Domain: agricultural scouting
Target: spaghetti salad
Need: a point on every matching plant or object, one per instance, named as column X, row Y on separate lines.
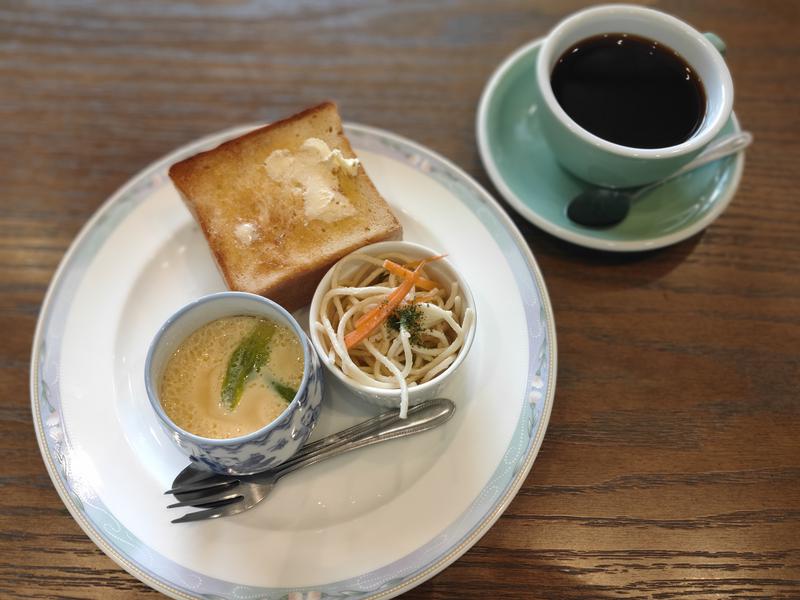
column 387, row 324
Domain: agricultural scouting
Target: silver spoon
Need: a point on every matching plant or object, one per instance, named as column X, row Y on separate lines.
column 604, row 207
column 225, row 495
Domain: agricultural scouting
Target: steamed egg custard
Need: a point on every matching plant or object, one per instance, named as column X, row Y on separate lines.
column 232, row 376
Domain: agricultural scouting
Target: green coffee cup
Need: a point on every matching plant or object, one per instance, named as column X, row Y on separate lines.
column 603, row 162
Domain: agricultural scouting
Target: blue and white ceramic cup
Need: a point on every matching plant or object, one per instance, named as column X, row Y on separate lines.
column 276, row 441
column 605, row 163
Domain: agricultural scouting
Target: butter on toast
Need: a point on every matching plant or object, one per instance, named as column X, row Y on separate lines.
column 265, row 234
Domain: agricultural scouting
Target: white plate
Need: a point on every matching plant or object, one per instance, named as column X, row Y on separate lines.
column 371, row 524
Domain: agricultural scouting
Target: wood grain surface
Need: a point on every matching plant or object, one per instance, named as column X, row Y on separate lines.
column 671, row 465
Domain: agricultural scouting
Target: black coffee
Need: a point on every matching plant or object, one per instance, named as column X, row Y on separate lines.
column 629, row 90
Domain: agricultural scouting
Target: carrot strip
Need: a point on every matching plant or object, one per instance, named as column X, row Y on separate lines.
column 415, row 263
column 373, row 319
column 380, row 313
column 405, row 272
column 423, row 283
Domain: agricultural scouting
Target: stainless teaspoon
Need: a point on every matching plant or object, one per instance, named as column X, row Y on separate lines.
column 604, row 207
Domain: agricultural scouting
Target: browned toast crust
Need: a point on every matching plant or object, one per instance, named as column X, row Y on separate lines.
column 228, row 185
column 181, row 171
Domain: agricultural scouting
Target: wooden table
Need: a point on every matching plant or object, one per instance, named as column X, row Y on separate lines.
column 672, row 460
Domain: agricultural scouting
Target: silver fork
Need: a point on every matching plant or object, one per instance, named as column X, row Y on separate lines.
column 225, row 495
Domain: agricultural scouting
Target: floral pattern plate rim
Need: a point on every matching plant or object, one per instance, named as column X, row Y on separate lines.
column 98, row 501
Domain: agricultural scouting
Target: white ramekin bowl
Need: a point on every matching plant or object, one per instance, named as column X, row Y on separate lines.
column 390, row 398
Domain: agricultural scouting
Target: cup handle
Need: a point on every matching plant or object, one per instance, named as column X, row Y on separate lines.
column 717, row 41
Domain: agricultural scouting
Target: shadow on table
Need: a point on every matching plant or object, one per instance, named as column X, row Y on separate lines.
column 611, row 270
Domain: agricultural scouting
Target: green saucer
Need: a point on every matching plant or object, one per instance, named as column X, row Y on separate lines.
column 525, row 172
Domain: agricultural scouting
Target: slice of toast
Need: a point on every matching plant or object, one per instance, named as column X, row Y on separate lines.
column 260, row 231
